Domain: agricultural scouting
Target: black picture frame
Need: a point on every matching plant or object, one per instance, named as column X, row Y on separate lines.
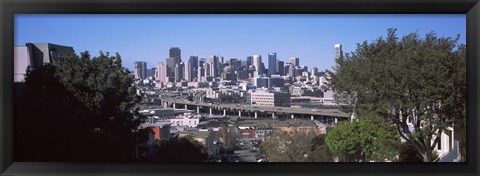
column 8, row 8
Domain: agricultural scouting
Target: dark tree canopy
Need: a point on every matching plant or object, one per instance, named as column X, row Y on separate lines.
column 421, row 80
column 184, row 149
column 76, row 110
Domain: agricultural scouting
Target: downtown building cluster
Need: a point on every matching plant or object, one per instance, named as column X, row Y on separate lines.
column 249, row 79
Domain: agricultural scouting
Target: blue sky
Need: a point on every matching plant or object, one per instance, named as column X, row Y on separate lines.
column 149, row 37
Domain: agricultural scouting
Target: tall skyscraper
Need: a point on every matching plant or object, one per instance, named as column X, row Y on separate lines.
column 206, row 66
column 295, row 61
column 175, row 53
column 338, row 51
column 194, row 61
column 272, row 63
column 162, row 73
column 214, row 66
column 280, row 67
column 179, row 70
column 189, row 71
column 314, row 71
column 140, row 70
column 249, row 61
column 173, row 60
column 201, row 62
column 257, row 62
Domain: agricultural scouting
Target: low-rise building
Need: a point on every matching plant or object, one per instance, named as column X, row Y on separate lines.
column 270, row 98
column 186, row 120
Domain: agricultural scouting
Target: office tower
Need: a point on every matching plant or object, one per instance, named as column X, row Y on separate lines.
column 162, row 72
column 194, row 61
column 140, row 70
column 214, row 66
column 338, row 51
column 179, row 70
column 287, row 69
column 295, row 61
column 257, row 62
column 189, row 71
column 153, row 72
column 201, row 74
column 249, row 61
column 314, row 71
column 170, row 67
column 280, row 67
column 206, row 66
column 175, row 53
column 272, row 63
column 201, row 62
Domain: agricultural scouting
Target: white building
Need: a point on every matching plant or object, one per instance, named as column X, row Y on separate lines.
column 187, row 120
column 270, row 98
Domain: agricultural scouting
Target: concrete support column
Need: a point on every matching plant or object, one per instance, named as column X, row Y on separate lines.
column 240, row 113
column 336, row 120
column 256, row 115
column 311, row 118
column 293, row 116
column 210, row 110
column 173, row 105
column 198, row 109
column 186, row 107
column 224, row 112
column 273, row 115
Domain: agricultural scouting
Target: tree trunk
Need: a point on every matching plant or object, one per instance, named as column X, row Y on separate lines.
column 427, row 156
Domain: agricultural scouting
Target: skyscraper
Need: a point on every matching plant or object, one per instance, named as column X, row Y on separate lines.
column 179, row 70
column 257, row 62
column 194, row 61
column 140, row 70
column 175, row 53
column 338, row 51
column 162, row 73
column 214, row 66
column 280, row 67
column 170, row 67
column 249, row 61
column 189, row 71
column 295, row 61
column 272, row 63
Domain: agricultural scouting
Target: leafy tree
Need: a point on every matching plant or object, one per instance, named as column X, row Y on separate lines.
column 369, row 138
column 295, row 147
column 414, row 79
column 228, row 137
column 77, row 110
column 184, row 149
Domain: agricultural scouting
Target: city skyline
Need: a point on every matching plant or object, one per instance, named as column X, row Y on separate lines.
column 311, row 38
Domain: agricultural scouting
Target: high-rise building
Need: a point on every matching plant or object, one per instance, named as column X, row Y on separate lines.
column 338, row 51
column 214, row 66
column 201, row 62
column 272, row 63
column 175, row 53
column 257, row 62
column 171, row 67
column 314, row 71
column 206, row 66
column 140, row 70
column 179, row 70
column 194, row 61
column 249, row 61
column 295, row 61
column 280, row 67
column 189, row 71
column 162, row 73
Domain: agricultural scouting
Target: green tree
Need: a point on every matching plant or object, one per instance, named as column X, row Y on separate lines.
column 77, row 110
column 295, row 147
column 419, row 80
column 369, row 138
column 184, row 149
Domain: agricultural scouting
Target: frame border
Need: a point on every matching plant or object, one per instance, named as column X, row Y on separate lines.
column 8, row 8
